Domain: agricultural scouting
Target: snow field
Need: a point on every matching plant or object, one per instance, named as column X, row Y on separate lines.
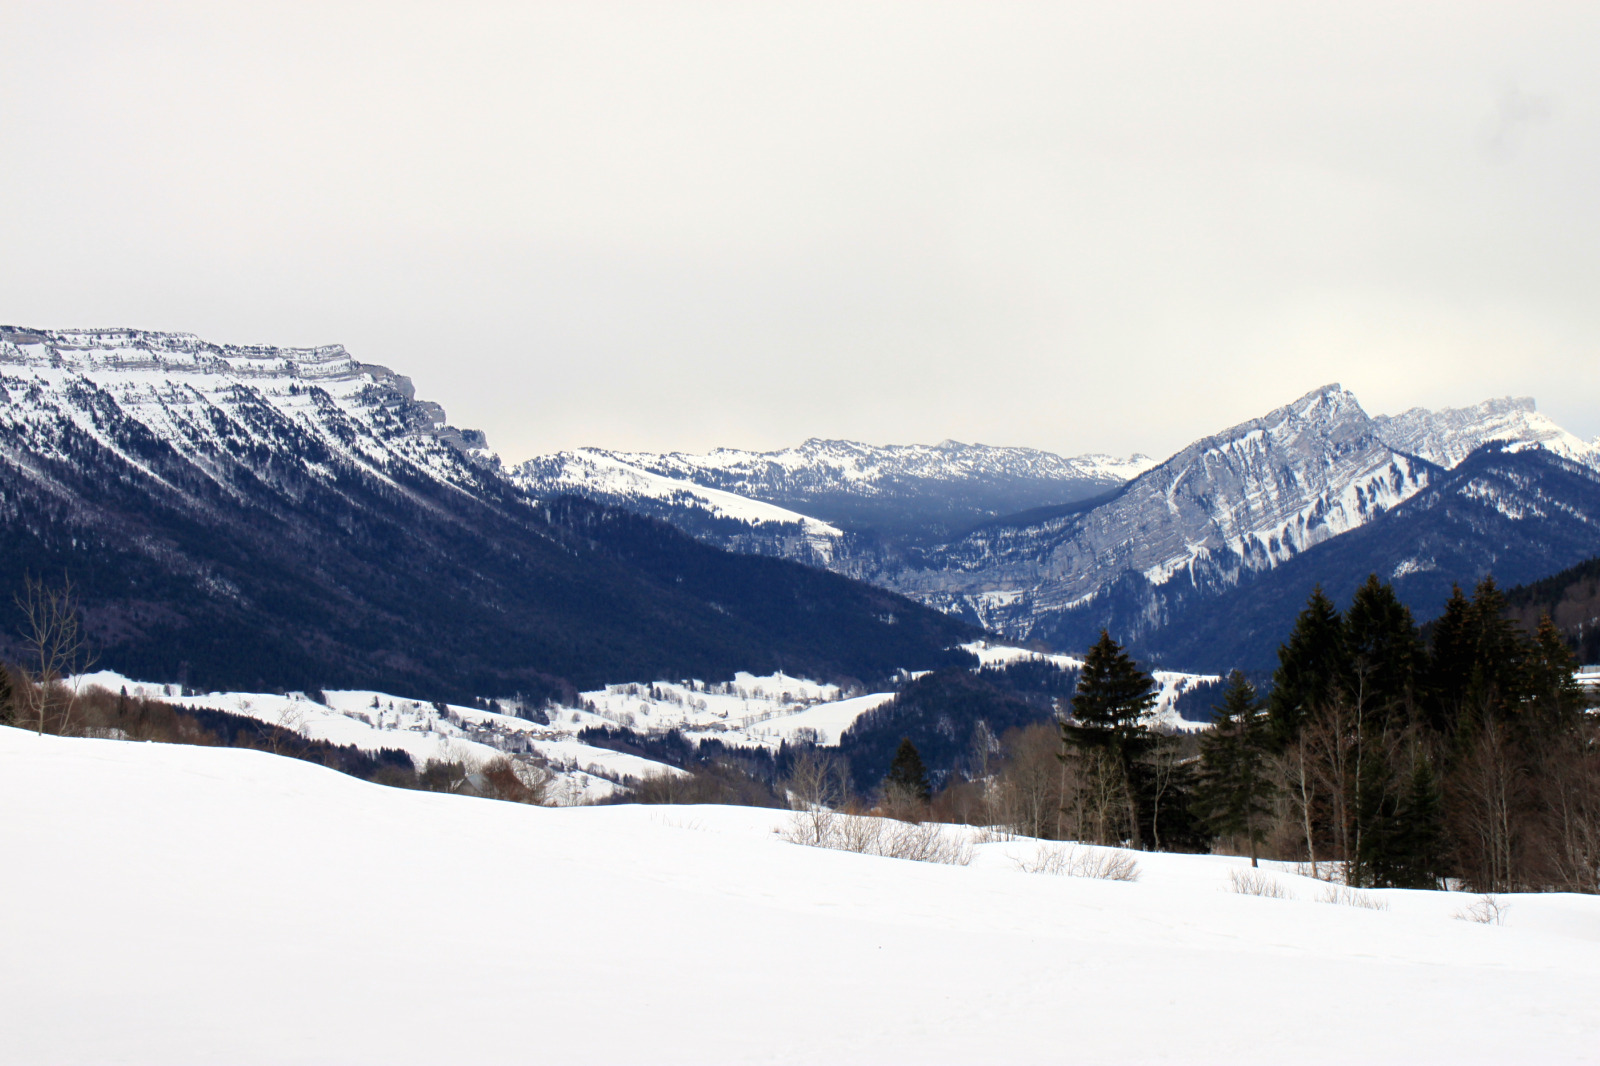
column 173, row 904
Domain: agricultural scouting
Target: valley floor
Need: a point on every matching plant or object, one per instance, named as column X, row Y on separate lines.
column 170, row 904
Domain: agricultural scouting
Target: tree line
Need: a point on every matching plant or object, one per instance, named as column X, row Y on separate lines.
column 1407, row 757
column 1381, row 754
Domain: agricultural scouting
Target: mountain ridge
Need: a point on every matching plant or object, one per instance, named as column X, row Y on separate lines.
column 259, row 517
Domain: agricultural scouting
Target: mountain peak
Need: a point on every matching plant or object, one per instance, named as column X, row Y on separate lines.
column 1448, row 436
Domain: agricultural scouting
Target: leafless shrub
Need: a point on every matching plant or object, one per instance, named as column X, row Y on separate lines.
column 858, row 833
column 516, row 780
column 1488, row 909
column 926, row 842
column 1069, row 860
column 888, row 838
column 1256, row 883
column 1349, row 897
column 1331, row 871
column 815, row 786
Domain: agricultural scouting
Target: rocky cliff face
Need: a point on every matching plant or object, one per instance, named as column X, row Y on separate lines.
column 1246, row 499
column 224, row 409
column 1447, row 437
column 1516, row 513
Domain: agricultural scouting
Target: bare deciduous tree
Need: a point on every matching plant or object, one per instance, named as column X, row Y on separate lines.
column 1486, row 792
column 54, row 651
column 817, row 787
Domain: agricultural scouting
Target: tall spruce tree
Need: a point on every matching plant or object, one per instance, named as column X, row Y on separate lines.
column 1498, row 680
column 1310, row 667
column 1549, row 665
column 1378, row 830
column 1108, row 711
column 1383, row 654
column 1235, row 788
column 1419, row 848
column 907, row 776
column 1450, row 664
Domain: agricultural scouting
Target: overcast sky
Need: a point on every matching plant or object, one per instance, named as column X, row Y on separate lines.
column 1111, row 227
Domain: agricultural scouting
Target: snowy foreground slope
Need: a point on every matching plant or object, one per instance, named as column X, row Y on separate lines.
column 187, row 905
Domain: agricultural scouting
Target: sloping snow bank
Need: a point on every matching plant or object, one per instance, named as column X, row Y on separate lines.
column 173, row 905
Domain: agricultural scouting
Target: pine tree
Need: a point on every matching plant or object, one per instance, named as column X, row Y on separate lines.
column 1310, row 667
column 1235, row 789
column 1108, row 711
column 1421, row 838
column 1379, row 836
column 1383, row 654
column 1450, row 663
column 1549, row 665
column 907, row 776
column 1497, row 681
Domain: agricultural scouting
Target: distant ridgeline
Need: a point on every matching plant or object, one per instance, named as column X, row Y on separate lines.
column 262, row 518
column 1198, row 562
column 252, row 517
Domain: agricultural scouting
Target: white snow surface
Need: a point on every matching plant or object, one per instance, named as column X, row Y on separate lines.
column 174, row 905
column 593, row 470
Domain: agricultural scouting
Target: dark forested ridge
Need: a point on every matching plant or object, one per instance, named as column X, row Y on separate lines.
column 481, row 600
column 1571, row 599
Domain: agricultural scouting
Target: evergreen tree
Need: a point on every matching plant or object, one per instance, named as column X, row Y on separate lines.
column 1108, row 715
column 1383, row 654
column 1497, row 680
column 1310, row 667
column 1420, row 846
column 1234, row 788
column 907, row 776
column 1450, row 664
column 1549, row 665
column 1379, row 832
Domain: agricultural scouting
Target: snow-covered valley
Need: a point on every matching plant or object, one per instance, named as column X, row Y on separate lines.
column 749, row 711
column 181, row 904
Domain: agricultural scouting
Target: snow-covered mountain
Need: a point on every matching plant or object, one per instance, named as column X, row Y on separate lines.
column 1518, row 512
column 1054, row 548
column 310, row 505
column 727, row 519
column 818, row 467
column 126, row 390
column 1449, row 436
column 256, row 518
column 919, row 492
column 1248, row 498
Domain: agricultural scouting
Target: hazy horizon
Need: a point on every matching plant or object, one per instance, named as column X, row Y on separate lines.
column 1078, row 228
